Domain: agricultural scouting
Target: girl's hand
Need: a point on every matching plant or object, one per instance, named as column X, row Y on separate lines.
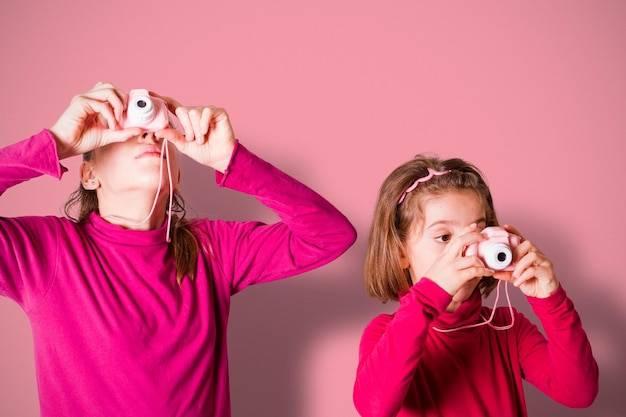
column 452, row 270
column 533, row 273
column 209, row 138
column 91, row 121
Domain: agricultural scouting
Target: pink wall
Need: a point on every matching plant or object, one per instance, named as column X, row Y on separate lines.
column 337, row 93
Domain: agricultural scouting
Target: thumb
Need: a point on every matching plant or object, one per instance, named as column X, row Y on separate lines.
column 111, row 136
column 172, row 135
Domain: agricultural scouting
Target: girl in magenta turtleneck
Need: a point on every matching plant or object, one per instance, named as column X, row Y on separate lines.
column 129, row 302
column 442, row 353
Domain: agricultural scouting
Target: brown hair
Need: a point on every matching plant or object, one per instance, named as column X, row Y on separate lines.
column 384, row 277
column 184, row 244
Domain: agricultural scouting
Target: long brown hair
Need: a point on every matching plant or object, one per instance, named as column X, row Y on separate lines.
column 184, row 244
column 385, row 279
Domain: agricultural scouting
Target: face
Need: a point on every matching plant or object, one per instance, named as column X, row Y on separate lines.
column 444, row 217
column 133, row 165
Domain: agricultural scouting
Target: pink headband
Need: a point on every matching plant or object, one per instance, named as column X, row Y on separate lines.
column 431, row 173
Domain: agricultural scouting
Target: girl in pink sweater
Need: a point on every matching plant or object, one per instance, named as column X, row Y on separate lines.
column 442, row 353
column 129, row 307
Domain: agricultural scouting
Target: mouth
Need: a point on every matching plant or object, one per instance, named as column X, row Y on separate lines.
column 150, row 152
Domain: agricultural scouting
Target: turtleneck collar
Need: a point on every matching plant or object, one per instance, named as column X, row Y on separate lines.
column 118, row 234
column 467, row 313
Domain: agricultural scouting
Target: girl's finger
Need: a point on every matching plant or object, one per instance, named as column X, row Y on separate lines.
column 504, row 276
column 474, row 272
column 465, row 262
column 100, row 108
column 108, row 93
column 206, row 120
column 170, row 134
column 195, row 116
column 468, row 237
column 123, row 134
column 183, row 118
column 526, row 255
column 513, row 230
column 529, row 273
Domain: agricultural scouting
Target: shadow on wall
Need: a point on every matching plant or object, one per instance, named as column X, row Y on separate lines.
column 273, row 329
column 273, row 326
column 604, row 323
column 601, row 312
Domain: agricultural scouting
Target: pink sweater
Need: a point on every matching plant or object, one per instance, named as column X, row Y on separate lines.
column 406, row 368
column 114, row 334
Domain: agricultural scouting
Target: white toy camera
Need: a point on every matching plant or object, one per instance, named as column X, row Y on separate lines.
column 497, row 251
column 149, row 113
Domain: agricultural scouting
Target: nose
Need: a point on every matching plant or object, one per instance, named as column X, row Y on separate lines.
column 148, row 137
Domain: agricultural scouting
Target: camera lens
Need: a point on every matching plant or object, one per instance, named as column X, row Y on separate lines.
column 497, row 256
column 141, row 111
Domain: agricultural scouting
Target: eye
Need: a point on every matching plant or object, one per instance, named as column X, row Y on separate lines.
column 443, row 238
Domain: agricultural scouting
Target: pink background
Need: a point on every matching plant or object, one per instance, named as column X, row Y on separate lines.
column 338, row 93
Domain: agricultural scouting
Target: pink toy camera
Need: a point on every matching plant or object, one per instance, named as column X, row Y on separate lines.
column 145, row 111
column 497, row 251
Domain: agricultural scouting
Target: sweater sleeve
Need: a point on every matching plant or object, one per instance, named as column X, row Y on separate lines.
column 311, row 232
column 24, row 272
column 391, row 347
column 561, row 364
column 28, row 159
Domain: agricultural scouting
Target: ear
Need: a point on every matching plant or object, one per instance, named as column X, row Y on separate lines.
column 87, row 177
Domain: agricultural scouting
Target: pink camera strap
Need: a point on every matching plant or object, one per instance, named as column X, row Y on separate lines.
column 493, row 312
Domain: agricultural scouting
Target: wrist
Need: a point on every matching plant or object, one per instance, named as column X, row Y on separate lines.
column 222, row 164
column 63, row 150
column 549, row 289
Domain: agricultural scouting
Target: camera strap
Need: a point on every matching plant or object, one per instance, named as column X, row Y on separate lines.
column 487, row 321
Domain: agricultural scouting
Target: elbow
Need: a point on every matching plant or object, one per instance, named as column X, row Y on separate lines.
column 349, row 236
column 580, row 402
column 347, row 232
column 583, row 397
column 341, row 237
column 368, row 410
column 368, row 406
column 586, row 399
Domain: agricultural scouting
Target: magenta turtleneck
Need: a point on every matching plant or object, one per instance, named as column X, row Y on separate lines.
column 114, row 333
column 406, row 368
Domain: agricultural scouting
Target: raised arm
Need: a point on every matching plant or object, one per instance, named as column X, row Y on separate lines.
column 82, row 127
column 24, row 240
column 561, row 364
column 311, row 231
